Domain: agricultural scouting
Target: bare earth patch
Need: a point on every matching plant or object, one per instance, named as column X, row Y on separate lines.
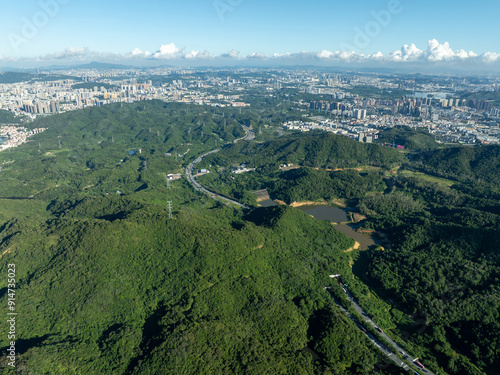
column 355, row 247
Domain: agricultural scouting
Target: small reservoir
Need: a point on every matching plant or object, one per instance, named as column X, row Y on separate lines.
column 333, row 214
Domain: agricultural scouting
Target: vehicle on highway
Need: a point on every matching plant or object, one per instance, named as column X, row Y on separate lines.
column 379, row 329
column 362, row 328
column 418, row 364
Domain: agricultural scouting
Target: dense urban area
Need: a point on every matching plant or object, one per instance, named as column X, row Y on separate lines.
column 462, row 110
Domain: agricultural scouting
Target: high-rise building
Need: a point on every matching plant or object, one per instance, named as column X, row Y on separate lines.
column 359, row 114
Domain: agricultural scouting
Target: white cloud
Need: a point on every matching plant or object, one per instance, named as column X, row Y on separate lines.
column 167, row 51
column 139, row 53
column 70, row 53
column 199, row 55
column 378, row 56
column 233, row 54
column 436, row 52
column 406, row 53
column 256, row 55
column 345, row 56
column 324, row 54
column 439, row 52
column 490, row 57
column 283, row 55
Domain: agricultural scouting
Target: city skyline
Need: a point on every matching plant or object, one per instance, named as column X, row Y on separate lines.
column 44, row 32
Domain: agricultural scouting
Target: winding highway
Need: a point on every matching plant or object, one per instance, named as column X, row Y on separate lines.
column 249, row 135
column 409, row 365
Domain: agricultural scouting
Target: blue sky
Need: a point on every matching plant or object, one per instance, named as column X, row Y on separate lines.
column 247, row 26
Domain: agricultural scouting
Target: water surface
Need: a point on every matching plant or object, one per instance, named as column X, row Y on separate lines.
column 334, row 214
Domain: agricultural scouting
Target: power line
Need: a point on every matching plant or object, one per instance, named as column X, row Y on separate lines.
column 169, row 205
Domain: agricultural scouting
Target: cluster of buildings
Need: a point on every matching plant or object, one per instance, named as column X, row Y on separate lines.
column 36, row 98
column 348, row 103
column 13, row 135
column 452, row 120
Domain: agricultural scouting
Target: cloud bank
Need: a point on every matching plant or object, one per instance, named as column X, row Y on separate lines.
column 435, row 53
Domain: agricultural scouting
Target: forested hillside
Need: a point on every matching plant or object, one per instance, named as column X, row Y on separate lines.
column 467, row 164
column 317, row 149
column 413, row 139
column 443, row 267
column 107, row 283
column 7, row 117
column 144, row 294
column 113, row 148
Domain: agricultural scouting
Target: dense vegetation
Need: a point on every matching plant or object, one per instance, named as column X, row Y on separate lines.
column 7, row 117
column 16, row 77
column 100, row 151
column 318, row 149
column 444, row 268
column 107, row 283
column 492, row 96
column 479, row 165
column 413, row 139
column 199, row 290
column 310, row 185
column 13, row 77
column 377, row 93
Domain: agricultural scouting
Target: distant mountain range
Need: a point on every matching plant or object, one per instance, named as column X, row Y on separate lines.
column 92, row 65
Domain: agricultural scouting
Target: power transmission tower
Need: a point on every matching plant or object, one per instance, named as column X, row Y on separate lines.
column 168, row 183
column 169, row 203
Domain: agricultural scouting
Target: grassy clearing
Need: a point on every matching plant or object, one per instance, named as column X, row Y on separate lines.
column 427, row 177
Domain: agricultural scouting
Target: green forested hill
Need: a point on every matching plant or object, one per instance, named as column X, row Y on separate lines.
column 88, row 152
column 323, row 150
column 205, row 292
column 444, row 269
column 313, row 185
column 476, row 164
column 443, row 266
column 7, row 117
column 413, row 139
column 106, row 283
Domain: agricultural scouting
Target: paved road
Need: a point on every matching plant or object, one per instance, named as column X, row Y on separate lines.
column 374, row 340
column 249, row 135
column 412, row 367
